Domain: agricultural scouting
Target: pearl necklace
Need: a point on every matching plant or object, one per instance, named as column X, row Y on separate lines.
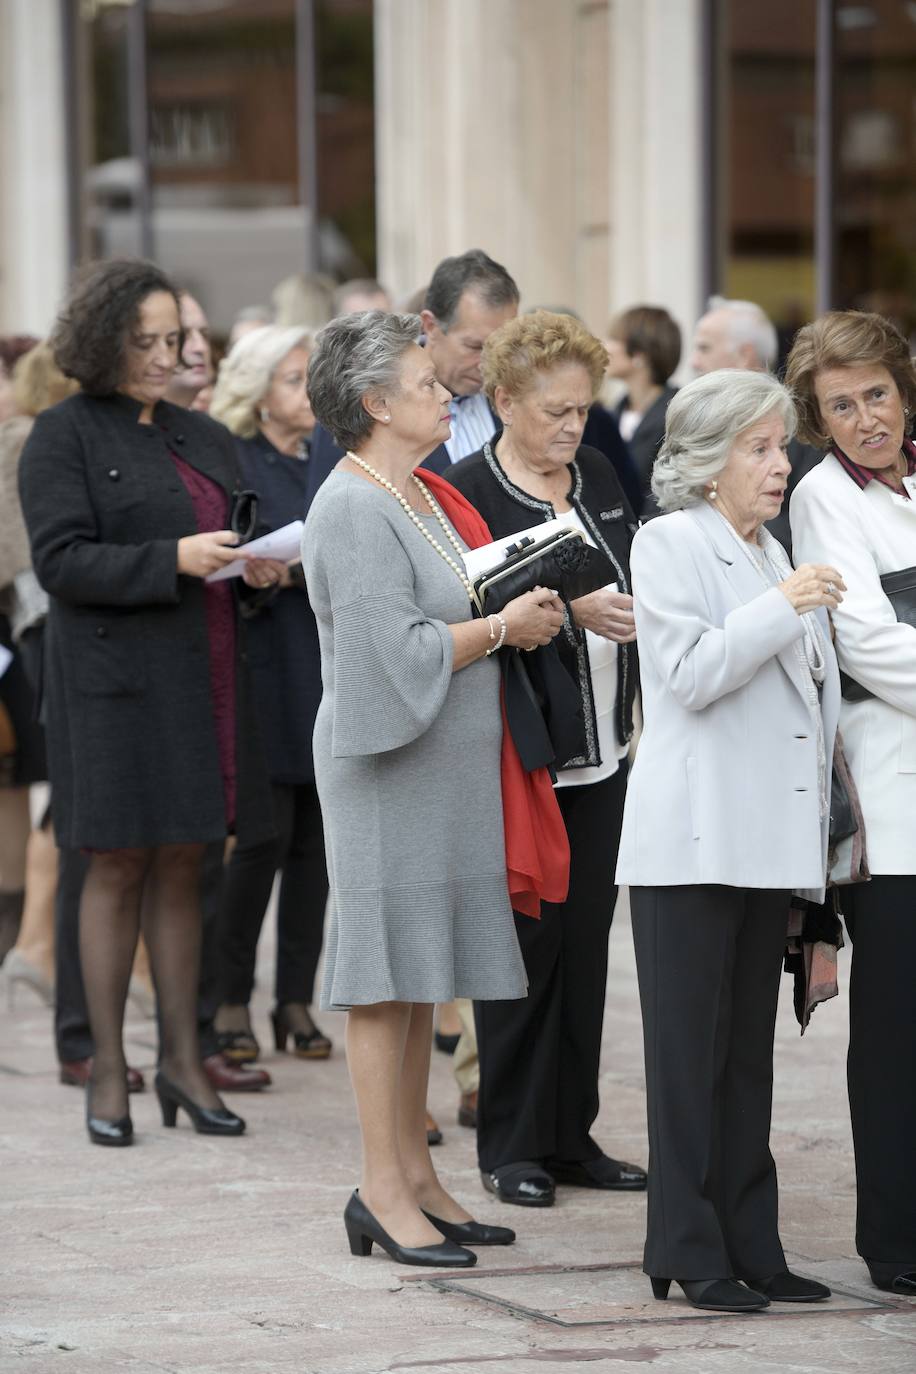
column 458, row 569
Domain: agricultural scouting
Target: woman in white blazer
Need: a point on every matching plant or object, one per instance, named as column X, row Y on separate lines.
column 726, row 815
column 856, row 388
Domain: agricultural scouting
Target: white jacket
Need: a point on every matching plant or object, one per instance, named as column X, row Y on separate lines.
column 725, row 784
column 864, row 533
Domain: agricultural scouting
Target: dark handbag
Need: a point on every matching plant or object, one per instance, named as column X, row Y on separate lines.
column 563, row 561
column 243, row 515
column 843, row 821
column 900, row 590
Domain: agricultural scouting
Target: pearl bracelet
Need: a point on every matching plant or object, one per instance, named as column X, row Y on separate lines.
column 502, row 633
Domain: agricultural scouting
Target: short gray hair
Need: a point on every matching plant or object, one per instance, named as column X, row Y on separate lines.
column 354, row 356
column 245, row 375
column 748, row 323
column 702, row 423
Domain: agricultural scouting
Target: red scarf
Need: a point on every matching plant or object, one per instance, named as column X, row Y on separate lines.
column 537, row 846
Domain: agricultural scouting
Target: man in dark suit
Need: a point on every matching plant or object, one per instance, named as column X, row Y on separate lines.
column 740, row 334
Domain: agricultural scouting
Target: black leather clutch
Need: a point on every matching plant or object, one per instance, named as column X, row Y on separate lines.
column 900, row 590
column 562, row 561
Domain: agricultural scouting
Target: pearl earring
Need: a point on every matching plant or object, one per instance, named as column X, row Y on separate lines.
column 265, row 415
column 714, row 490
column 387, row 419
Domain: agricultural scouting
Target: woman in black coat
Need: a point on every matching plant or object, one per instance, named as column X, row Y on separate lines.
column 261, row 397
column 539, row 1058
column 152, row 743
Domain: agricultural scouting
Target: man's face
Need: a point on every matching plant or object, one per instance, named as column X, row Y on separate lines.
column 712, row 345
column 196, row 355
column 456, row 352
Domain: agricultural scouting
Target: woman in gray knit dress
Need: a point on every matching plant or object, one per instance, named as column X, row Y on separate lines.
column 407, row 763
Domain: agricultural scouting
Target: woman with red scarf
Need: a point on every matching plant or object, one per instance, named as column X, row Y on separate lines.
column 416, row 777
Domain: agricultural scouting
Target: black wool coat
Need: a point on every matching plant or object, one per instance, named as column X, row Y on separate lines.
column 283, row 651
column 126, row 688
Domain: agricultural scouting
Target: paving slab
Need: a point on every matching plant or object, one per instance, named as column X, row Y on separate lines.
column 185, row 1253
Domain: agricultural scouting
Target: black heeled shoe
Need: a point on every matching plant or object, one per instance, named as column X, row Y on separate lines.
column 446, row 1044
column 105, row 1132
column 363, row 1231
column 893, row 1278
column 313, row 1044
column 713, row 1295
column 471, row 1232
column 240, row 1046
column 205, row 1120
column 788, row 1287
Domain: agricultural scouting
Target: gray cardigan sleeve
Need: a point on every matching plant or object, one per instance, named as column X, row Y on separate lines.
column 392, row 663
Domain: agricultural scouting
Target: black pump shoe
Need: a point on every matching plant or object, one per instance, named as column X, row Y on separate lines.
column 363, row 1231
column 788, row 1287
column 471, row 1233
column 713, row 1295
column 104, row 1132
column 205, row 1120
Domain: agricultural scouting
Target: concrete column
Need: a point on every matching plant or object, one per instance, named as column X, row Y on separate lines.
column 33, row 204
column 485, row 138
column 656, row 169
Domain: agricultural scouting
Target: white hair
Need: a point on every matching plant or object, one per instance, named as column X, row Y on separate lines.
column 749, row 324
column 702, row 423
column 246, row 372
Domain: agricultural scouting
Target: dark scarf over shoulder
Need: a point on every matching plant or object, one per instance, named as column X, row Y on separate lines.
column 598, row 498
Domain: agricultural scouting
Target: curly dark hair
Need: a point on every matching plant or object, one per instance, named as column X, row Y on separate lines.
column 90, row 335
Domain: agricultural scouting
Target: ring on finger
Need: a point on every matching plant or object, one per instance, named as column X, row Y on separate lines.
column 831, row 589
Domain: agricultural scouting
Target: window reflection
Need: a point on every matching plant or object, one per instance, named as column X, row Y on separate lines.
column 769, row 156
column 876, row 153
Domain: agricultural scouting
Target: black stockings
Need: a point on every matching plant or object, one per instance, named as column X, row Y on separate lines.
column 161, row 887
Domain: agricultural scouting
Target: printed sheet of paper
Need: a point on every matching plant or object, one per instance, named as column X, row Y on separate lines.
column 283, row 544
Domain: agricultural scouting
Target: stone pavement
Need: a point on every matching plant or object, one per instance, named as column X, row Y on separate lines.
column 186, row 1253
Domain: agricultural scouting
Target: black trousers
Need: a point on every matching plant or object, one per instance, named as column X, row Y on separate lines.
column 71, row 1017
column 539, row 1057
column 881, row 1067
column 709, row 960
column 298, row 852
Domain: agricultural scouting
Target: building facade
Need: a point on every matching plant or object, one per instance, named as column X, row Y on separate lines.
column 608, row 151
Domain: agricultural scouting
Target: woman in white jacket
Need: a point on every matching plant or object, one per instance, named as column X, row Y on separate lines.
column 856, row 389
column 726, row 815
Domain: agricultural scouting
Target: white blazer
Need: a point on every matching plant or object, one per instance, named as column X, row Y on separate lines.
column 724, row 788
column 864, row 532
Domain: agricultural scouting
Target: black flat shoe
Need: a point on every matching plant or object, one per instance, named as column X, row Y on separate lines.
column 312, row 1044
column 893, row 1278
column 472, row 1233
column 446, row 1044
column 713, row 1295
column 602, row 1172
column 787, row 1287
column 363, row 1231
column 525, row 1184
column 205, row 1120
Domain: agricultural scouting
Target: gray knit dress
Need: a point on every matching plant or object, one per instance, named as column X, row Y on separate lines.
column 407, row 764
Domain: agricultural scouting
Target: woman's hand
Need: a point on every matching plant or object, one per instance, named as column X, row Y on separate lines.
column 533, row 619
column 264, row 572
column 202, row 554
column 813, row 585
column 607, row 613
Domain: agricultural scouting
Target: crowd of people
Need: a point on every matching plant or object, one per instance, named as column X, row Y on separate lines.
column 724, row 721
